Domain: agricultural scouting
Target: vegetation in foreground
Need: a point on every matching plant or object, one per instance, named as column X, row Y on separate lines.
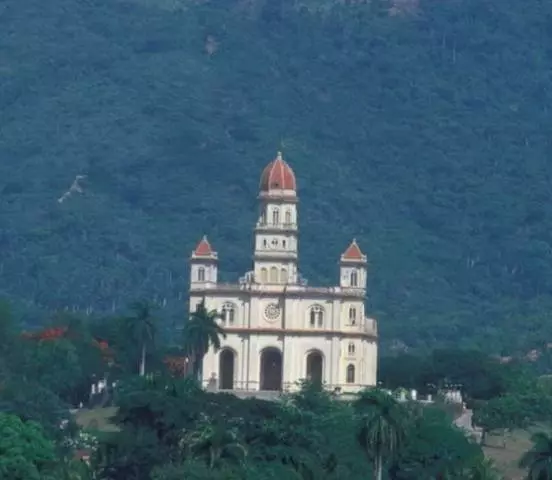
column 163, row 426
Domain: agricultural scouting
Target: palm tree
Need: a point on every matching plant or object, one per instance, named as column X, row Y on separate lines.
column 200, row 332
column 539, row 458
column 143, row 329
column 483, row 469
column 74, row 469
column 213, row 441
column 381, row 428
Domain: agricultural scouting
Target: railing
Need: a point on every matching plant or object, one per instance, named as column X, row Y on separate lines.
column 275, row 252
column 279, row 288
column 277, row 226
column 286, row 387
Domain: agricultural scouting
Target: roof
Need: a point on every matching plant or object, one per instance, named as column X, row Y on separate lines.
column 277, row 175
column 203, row 248
column 353, row 252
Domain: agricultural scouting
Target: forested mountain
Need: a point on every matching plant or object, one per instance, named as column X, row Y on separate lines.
column 425, row 134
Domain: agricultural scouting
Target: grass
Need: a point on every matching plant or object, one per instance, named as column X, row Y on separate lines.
column 96, row 419
column 506, row 458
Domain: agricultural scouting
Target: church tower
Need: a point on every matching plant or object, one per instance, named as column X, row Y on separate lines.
column 353, row 271
column 203, row 264
column 276, row 234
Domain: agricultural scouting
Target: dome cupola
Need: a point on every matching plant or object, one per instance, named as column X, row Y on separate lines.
column 278, row 176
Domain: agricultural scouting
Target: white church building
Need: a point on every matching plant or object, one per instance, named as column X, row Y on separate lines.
column 279, row 329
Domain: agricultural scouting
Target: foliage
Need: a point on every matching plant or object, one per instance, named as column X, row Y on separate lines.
column 380, row 427
column 422, row 135
column 434, row 448
column 25, row 453
column 171, row 428
column 142, row 329
column 32, row 401
column 538, row 459
column 477, row 374
column 166, row 427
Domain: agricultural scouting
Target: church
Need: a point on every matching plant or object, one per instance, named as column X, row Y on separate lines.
column 280, row 330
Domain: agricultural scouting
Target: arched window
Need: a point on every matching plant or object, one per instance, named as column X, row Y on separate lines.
column 264, row 275
column 283, row 244
column 316, row 316
column 228, row 314
column 352, row 315
column 273, row 275
column 284, row 275
column 350, row 374
column 354, row 278
column 265, row 243
column 200, row 274
column 275, row 216
column 288, row 217
column 351, row 349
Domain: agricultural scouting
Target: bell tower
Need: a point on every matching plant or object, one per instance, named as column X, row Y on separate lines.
column 204, row 262
column 276, row 232
column 353, row 268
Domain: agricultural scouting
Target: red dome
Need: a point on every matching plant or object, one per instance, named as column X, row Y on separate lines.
column 277, row 175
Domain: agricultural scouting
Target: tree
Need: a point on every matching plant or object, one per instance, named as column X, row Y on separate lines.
column 74, row 469
column 433, row 448
column 25, row 452
column 201, row 332
column 32, row 401
column 215, row 441
column 504, row 413
column 483, row 469
column 381, row 428
column 142, row 326
column 538, row 460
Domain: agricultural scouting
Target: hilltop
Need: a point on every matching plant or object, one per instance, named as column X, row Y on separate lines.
column 423, row 135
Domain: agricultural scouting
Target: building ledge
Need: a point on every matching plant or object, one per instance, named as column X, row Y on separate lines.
column 366, row 331
column 274, row 254
column 279, row 227
column 287, row 289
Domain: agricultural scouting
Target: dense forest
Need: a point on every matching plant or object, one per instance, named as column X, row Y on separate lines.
column 152, row 421
column 423, row 133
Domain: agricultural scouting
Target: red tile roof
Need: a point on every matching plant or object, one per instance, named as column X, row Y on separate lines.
column 203, row 248
column 277, row 175
column 353, row 252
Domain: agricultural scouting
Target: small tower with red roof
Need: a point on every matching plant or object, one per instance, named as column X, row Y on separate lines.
column 353, row 267
column 204, row 262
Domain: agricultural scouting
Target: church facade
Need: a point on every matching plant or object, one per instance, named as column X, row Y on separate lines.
column 279, row 329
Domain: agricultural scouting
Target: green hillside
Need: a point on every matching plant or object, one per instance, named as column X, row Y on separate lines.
column 425, row 135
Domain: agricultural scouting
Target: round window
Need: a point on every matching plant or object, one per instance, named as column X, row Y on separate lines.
column 272, row 312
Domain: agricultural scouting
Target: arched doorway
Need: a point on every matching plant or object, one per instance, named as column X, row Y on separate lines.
column 271, row 369
column 226, row 369
column 314, row 367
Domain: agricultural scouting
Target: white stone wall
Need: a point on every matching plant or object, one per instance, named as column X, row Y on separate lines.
column 210, row 273
column 345, row 276
column 295, row 338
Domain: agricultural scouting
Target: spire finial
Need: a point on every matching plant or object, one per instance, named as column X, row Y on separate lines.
column 279, row 155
